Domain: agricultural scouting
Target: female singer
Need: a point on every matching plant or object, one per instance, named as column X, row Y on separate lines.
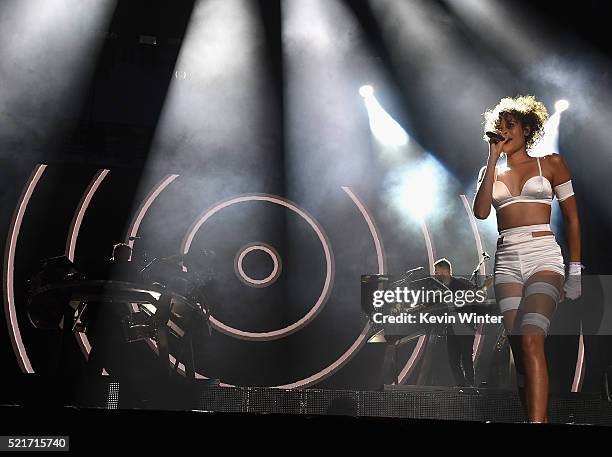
column 529, row 270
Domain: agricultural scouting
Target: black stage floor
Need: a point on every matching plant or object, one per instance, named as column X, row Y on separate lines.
column 403, row 402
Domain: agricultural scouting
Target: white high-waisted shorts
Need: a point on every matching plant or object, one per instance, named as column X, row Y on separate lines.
column 520, row 254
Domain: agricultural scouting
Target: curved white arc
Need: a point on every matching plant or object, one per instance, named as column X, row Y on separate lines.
column 329, row 260
column 477, row 238
column 477, row 347
column 145, row 205
column 579, row 371
column 186, row 244
column 73, row 235
column 9, row 267
column 380, row 253
column 77, row 220
column 419, row 348
column 429, row 246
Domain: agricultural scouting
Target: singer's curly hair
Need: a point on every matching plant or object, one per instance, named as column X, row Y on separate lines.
column 524, row 108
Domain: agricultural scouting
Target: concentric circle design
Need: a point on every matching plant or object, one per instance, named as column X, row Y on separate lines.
column 30, row 185
column 327, row 250
column 252, row 282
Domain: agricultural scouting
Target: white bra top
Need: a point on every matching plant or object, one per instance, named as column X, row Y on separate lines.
column 536, row 189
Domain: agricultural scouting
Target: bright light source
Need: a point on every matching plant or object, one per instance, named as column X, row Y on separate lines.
column 366, row 91
column 549, row 144
column 561, row 105
column 383, row 126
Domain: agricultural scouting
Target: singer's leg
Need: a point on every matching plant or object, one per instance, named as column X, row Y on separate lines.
column 509, row 295
column 542, row 292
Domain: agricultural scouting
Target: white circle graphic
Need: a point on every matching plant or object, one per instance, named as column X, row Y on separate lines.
column 252, row 282
column 327, row 250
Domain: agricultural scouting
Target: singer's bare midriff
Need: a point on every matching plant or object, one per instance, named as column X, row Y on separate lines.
column 521, row 214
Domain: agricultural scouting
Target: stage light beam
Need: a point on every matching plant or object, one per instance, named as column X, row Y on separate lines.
column 386, row 129
column 549, row 144
column 49, row 51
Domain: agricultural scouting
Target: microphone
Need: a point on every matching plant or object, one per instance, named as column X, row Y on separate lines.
column 496, row 137
column 485, row 255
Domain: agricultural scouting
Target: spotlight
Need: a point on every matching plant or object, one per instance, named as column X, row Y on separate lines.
column 561, row 105
column 383, row 126
column 366, row 91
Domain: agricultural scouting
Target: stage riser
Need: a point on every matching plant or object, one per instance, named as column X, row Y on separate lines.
column 397, row 402
column 498, row 406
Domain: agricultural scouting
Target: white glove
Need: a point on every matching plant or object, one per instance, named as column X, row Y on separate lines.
column 573, row 282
